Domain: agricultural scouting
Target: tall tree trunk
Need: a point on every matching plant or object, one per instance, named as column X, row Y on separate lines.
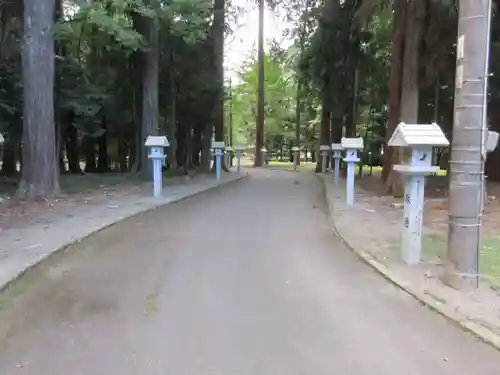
column 414, row 31
column 218, row 50
column 149, row 95
column 196, row 146
column 395, row 83
column 259, row 135
column 355, row 90
column 352, row 80
column 9, row 162
column 39, row 175
column 172, row 122
column 102, row 156
column 72, row 149
column 122, row 153
column 415, row 18
column 188, row 150
column 324, row 135
column 136, row 147
column 298, row 94
column 59, row 112
column 298, row 109
column 206, row 150
column 181, row 144
column 89, row 149
column 136, row 70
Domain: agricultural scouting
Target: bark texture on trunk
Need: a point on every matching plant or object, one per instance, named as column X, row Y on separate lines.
column 39, row 175
column 259, row 135
column 172, row 124
column 89, row 149
column 395, row 82
column 217, row 32
column 414, row 24
column 149, row 95
column 324, row 138
column 102, row 156
column 72, row 149
column 9, row 158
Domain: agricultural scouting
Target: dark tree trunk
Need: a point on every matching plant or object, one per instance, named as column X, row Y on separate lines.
column 281, row 148
column 149, row 95
column 135, row 63
column 414, row 18
column 335, row 128
column 102, row 157
column 181, row 145
column 324, row 130
column 62, row 164
column 60, row 115
column 197, row 146
column 187, row 151
column 72, row 150
column 89, row 149
column 218, row 51
column 206, row 148
column 136, row 146
column 9, row 168
column 259, row 135
column 39, row 175
column 395, row 83
column 122, row 153
column 172, row 123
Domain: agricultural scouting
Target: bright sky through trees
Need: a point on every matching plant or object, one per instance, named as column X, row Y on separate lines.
column 243, row 41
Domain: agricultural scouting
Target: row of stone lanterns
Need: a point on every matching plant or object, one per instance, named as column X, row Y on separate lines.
column 220, row 149
column 157, row 145
column 419, row 140
column 351, row 146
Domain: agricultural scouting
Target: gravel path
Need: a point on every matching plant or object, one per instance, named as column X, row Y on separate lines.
column 245, row 280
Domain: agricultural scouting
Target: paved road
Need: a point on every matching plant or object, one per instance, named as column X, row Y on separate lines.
column 245, row 280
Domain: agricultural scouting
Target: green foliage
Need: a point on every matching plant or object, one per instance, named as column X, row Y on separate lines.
column 279, row 100
column 189, row 19
column 99, row 40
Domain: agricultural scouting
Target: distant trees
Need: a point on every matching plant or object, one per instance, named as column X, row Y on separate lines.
column 97, row 78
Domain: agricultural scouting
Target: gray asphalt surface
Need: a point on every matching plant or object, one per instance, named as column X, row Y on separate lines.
column 245, row 280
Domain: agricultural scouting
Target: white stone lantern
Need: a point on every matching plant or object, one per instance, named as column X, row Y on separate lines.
column 156, row 146
column 420, row 141
column 337, row 155
column 218, row 148
column 324, row 151
column 239, row 150
column 351, row 147
column 296, row 156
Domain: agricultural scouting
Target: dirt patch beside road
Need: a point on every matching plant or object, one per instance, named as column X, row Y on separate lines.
column 373, row 228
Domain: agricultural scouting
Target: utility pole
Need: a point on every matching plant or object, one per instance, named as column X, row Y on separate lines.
column 230, row 113
column 298, row 108
column 230, row 130
column 468, row 145
column 259, row 133
column 298, row 94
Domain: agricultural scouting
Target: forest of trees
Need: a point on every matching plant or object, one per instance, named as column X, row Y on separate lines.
column 84, row 82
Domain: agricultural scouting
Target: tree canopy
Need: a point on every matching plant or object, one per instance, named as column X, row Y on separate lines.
column 124, row 69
